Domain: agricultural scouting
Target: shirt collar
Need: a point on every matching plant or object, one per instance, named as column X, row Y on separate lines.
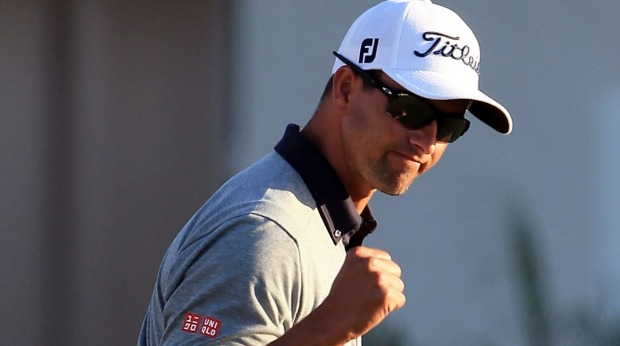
column 333, row 202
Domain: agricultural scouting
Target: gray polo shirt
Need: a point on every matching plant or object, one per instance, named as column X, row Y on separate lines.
column 259, row 255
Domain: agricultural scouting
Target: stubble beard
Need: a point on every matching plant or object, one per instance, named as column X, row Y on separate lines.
column 387, row 180
column 379, row 173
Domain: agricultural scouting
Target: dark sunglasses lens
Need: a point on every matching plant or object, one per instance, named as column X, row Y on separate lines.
column 411, row 111
column 450, row 129
column 414, row 113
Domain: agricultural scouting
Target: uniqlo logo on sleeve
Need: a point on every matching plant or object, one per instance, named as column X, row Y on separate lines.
column 191, row 322
column 210, row 327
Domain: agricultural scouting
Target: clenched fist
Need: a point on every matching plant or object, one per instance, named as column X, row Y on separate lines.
column 365, row 291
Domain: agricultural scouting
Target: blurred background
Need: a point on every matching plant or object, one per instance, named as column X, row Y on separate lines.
column 120, row 118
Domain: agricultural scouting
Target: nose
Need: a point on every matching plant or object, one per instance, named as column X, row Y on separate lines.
column 425, row 137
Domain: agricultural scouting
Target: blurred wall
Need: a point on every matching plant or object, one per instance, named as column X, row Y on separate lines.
column 113, row 124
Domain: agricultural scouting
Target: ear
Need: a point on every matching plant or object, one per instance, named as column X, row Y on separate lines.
column 342, row 86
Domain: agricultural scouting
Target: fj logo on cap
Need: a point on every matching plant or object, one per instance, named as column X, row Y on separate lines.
column 447, row 46
column 368, row 50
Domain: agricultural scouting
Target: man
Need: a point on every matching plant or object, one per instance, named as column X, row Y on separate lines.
column 276, row 255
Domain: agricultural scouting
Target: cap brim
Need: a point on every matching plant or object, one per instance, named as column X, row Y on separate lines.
column 435, row 86
column 492, row 113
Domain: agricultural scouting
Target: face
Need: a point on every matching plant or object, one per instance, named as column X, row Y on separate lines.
column 380, row 152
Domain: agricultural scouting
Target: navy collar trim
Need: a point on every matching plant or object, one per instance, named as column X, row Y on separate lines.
column 333, row 202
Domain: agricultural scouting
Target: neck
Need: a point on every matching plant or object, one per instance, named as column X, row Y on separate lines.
column 362, row 202
column 325, row 136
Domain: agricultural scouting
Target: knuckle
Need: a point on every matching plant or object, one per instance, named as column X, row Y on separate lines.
column 373, row 263
column 357, row 252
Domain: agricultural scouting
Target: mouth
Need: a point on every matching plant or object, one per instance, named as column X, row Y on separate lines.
column 413, row 158
column 412, row 161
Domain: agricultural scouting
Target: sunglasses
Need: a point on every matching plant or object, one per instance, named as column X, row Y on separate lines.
column 414, row 111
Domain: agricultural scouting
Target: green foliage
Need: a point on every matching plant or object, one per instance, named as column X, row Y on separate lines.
column 532, row 287
column 543, row 324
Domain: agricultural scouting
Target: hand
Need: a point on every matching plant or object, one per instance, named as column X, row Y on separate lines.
column 367, row 289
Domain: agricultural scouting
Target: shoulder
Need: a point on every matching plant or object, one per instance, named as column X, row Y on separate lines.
column 270, row 189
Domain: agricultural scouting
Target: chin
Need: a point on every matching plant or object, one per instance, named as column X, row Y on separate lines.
column 395, row 189
column 394, row 192
column 392, row 181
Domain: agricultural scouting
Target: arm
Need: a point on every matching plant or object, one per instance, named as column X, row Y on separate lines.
column 366, row 290
column 223, row 285
column 236, row 275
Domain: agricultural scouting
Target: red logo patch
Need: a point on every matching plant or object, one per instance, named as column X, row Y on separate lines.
column 191, row 322
column 210, row 327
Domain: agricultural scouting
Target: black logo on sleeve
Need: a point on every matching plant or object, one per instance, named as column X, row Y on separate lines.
column 368, row 50
column 444, row 47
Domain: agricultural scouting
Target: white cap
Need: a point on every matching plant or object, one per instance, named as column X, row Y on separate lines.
column 426, row 48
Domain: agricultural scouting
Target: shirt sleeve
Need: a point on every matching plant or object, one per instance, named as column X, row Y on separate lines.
column 236, row 285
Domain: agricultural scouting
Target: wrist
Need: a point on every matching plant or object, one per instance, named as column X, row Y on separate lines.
column 318, row 328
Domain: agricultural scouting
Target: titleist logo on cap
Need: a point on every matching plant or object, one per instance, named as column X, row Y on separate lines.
column 427, row 49
column 444, row 47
